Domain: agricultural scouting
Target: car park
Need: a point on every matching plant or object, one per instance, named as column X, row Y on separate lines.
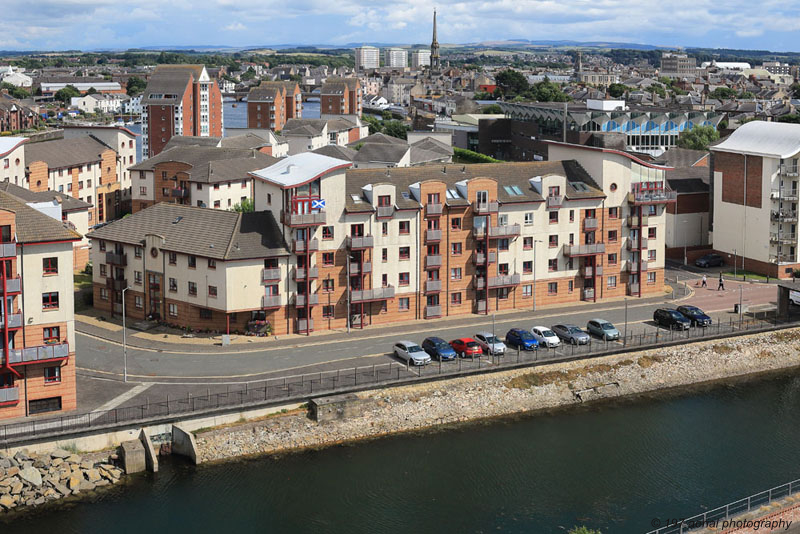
column 490, row 344
column 438, row 349
column 466, row 346
column 695, row 315
column 672, row 319
column 545, row 337
column 571, row 334
column 411, row 352
column 709, row 260
column 521, row 339
column 602, row 329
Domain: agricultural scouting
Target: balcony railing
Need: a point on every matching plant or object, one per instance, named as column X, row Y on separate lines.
column 784, row 216
column 645, row 265
column 433, row 236
column 781, row 258
column 13, row 285
column 306, row 246
column 433, row 210
column 304, row 219
column 555, row 201
column 305, row 325
column 300, row 300
column 180, row 193
column 788, row 170
column 385, row 212
column 483, row 208
column 504, row 280
column 367, row 295
column 116, row 284
column 634, row 244
column 587, row 293
column 117, row 259
column 357, row 268
column 590, row 223
column 433, row 311
column 590, row 271
column 652, row 196
column 507, row 230
column 633, row 289
column 782, row 237
column 301, row 273
column 633, row 266
column 270, row 301
column 270, row 275
column 634, row 221
column 584, row 250
column 9, row 394
column 8, row 250
column 360, row 242
column 433, row 261
column 433, row 286
column 481, row 307
column 480, row 257
column 39, row 353
column 783, row 193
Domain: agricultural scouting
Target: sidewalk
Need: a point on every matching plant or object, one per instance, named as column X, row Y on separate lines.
column 163, row 339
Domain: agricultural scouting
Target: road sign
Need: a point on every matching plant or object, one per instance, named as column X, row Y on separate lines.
column 318, row 204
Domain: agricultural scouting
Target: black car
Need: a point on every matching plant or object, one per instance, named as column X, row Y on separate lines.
column 709, row 260
column 695, row 315
column 672, row 319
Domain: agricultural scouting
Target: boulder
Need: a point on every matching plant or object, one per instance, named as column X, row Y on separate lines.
column 63, row 490
column 92, row 475
column 39, row 501
column 85, row 485
column 74, row 459
column 22, row 456
column 12, row 471
column 16, row 488
column 56, row 462
column 32, row 476
column 73, row 483
column 5, row 463
column 87, row 464
column 102, row 482
column 7, row 502
column 61, row 454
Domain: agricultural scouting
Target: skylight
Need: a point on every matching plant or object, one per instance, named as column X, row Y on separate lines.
column 513, row 190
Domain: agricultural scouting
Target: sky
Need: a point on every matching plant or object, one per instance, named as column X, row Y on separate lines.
column 110, row 24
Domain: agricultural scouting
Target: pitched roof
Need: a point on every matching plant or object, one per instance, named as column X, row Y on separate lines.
column 380, row 138
column 381, row 153
column 216, row 234
column 7, row 144
column 760, row 138
column 304, row 127
column 191, row 140
column 67, row 202
column 336, row 151
column 60, row 153
column 266, row 92
column 682, row 157
column 169, row 80
column 34, row 226
column 210, row 164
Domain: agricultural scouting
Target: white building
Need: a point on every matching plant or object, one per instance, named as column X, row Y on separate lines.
column 15, row 77
column 395, row 58
column 420, row 58
column 367, row 57
column 99, row 103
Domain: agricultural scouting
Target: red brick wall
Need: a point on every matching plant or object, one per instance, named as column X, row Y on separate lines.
column 158, row 118
column 214, row 110
column 38, row 179
column 733, row 178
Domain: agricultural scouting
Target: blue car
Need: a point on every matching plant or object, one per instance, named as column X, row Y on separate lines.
column 439, row 349
column 696, row 315
column 522, row 339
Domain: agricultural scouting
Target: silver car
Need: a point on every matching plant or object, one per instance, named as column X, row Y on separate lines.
column 411, row 352
column 570, row 333
column 490, row 344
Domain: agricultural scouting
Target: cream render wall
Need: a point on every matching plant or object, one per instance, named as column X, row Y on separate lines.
column 15, row 173
column 142, row 179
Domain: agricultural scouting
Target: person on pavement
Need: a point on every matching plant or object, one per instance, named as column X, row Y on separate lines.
column 721, row 283
column 705, row 282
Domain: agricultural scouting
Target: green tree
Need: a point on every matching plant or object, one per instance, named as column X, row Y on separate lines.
column 657, row 89
column 13, row 90
column 793, row 118
column 698, row 138
column 547, row 91
column 723, row 93
column 512, row 82
column 249, row 74
column 395, row 129
column 795, row 87
column 616, row 90
column 135, row 86
column 66, row 94
column 747, row 95
column 245, row 206
column 493, row 109
column 91, row 91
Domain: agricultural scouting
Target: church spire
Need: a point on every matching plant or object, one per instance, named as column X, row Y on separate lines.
column 434, row 46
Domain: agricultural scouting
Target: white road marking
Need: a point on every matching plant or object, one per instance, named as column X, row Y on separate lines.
column 116, row 401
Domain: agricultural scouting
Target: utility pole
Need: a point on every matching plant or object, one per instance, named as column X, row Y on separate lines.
column 625, row 331
column 124, row 340
column 734, row 264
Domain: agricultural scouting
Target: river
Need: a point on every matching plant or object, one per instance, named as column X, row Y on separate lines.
column 613, row 466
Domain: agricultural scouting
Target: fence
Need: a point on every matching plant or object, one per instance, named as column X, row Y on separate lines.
column 301, row 387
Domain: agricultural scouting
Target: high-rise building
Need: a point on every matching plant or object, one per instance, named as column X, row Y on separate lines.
column 435, row 62
column 676, row 65
column 179, row 100
column 341, row 96
column 367, row 57
column 395, row 57
column 420, row 58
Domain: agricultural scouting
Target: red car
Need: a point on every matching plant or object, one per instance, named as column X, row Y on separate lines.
column 466, row 346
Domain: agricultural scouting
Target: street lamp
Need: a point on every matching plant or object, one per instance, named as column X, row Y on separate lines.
column 534, row 271
column 124, row 340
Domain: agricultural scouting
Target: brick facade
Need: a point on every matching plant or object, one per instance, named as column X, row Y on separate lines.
column 732, row 167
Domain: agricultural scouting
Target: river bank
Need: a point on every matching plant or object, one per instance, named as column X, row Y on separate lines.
column 417, row 407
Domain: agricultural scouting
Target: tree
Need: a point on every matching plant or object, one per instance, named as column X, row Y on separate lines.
column 135, row 86
column 493, row 109
column 245, row 206
column 698, row 138
column 512, row 82
column 722, row 93
column 249, row 74
column 616, row 90
column 795, row 87
column 547, row 91
column 66, row 94
column 91, row 91
column 395, row 129
column 793, row 118
column 746, row 95
column 13, row 90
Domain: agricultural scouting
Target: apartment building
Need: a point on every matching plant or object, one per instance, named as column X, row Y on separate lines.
column 14, row 116
column 677, row 65
column 341, row 96
column 367, row 57
column 395, row 58
column 179, row 100
column 420, row 59
column 12, row 159
column 755, row 188
column 305, row 135
column 271, row 104
column 38, row 367
column 81, row 167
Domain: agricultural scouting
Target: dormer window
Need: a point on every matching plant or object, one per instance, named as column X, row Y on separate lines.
column 385, row 200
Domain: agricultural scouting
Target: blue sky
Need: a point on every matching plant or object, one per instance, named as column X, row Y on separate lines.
column 110, row 24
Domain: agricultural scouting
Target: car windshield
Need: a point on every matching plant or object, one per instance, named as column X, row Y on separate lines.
column 675, row 314
column 492, row 339
column 548, row 333
column 691, row 309
column 574, row 330
column 607, row 326
column 414, row 348
column 441, row 345
column 525, row 335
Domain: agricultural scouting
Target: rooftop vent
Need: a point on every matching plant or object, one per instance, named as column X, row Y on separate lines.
column 177, row 220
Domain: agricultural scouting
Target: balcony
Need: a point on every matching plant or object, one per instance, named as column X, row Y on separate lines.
column 781, row 237
column 116, row 284
column 555, row 201
column 508, row 280
column 589, row 271
column 633, row 266
column 633, row 289
column 433, row 311
column 652, row 196
column 301, row 300
column 115, row 258
column 433, row 236
column 479, row 282
column 270, row 301
column 385, row 212
column 634, row 221
column 9, row 395
column 301, row 273
column 13, row 285
column 304, row 219
column 8, row 250
column 481, row 307
column 37, row 354
column 360, row 242
column 433, row 210
column 592, row 249
column 369, row 295
column 587, row 293
column 433, row 286
column 634, row 244
column 433, row 261
column 305, row 325
column 781, row 258
column 506, row 230
column 788, row 170
column 303, row 247
column 590, row 223
column 180, row 193
column 357, row 268
column 783, row 193
column 784, row 216
column 479, row 258
column 485, row 208
column 270, row 275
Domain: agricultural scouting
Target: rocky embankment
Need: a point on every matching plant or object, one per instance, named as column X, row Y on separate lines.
column 34, row 479
column 410, row 408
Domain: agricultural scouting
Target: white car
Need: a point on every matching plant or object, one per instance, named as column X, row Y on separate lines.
column 545, row 337
column 411, row 352
column 490, row 344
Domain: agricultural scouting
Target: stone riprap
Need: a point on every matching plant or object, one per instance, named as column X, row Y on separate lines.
column 34, row 479
column 415, row 407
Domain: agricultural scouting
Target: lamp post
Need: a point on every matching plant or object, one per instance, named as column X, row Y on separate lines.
column 124, row 340
column 534, row 271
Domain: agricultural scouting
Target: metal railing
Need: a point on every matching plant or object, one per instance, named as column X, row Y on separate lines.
column 356, row 242
column 504, row 281
column 9, row 394
column 14, row 320
column 301, row 273
column 584, row 250
column 480, row 257
column 433, row 311
column 433, row 260
column 652, row 196
column 590, row 223
column 588, row 294
column 432, row 286
column 270, row 275
column 634, row 244
column 787, row 170
column 366, row 295
column 270, row 301
column 304, row 219
column 116, row 259
column 385, row 212
column 433, row 209
column 784, row 193
column 13, row 285
column 508, row 230
column 485, row 207
column 555, row 201
column 306, row 246
column 300, row 300
column 356, row 268
column 589, row 271
column 782, row 237
column 8, row 250
column 41, row 352
column 634, row 221
column 432, row 236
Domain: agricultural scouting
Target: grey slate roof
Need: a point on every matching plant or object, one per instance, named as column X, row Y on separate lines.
column 34, row 226
column 191, row 140
column 61, row 153
column 379, row 138
column 304, row 127
column 211, row 164
column 169, row 80
column 336, row 151
column 681, row 157
column 68, row 203
column 380, row 153
column 209, row 233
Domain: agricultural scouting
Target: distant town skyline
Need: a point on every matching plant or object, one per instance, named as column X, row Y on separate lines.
column 103, row 24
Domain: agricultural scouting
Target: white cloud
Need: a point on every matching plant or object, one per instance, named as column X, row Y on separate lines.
column 235, row 27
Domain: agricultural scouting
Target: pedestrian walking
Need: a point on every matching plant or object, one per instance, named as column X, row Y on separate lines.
column 721, row 283
column 705, row 282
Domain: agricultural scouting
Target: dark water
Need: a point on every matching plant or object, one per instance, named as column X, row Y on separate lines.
column 611, row 466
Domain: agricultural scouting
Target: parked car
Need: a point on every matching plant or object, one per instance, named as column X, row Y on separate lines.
column 672, row 319
column 545, row 337
column 466, row 346
column 571, row 334
column 695, row 315
column 438, row 349
column 522, row 339
column 709, row 260
column 411, row 352
column 490, row 344
column 602, row 329
column 794, row 297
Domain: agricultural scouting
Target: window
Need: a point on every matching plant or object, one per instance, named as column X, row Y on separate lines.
column 137, row 251
column 173, row 258
column 552, row 241
column 455, row 299
column 172, row 309
column 205, row 313
column 527, row 290
column 503, row 292
column 612, row 282
column 403, row 279
column 138, row 302
column 137, row 277
column 613, row 213
column 103, row 293
column 103, row 270
column 527, row 267
column 552, row 288
column 552, row 265
column 217, row 204
column 651, row 209
column 385, row 201
column 327, row 259
column 612, row 236
column 212, row 264
column 173, row 284
column 51, row 334
column 192, row 261
column 455, row 273
column 328, row 285
column 244, row 184
column 651, row 255
column 192, row 289
column 570, row 286
column 455, row 223
column 212, row 291
column 384, row 255
column 50, row 301
column 52, row 375
column 327, row 232
column 527, row 243
column 405, row 253
column 612, row 259
column 528, row 218
column 405, row 227
column 571, row 215
column 502, row 244
column 384, row 228
column 50, row 265
column 403, row 303
column 216, row 187
column 384, row 307
column 102, row 246
column 456, row 249
column 327, row 312
column 199, row 187
column 651, row 278
column 142, row 190
column 651, row 233
column 553, row 217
